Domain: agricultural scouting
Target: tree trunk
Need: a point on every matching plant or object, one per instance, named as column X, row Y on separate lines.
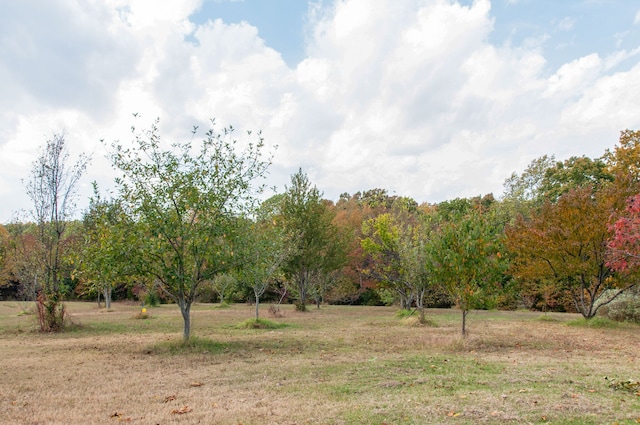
column 107, row 296
column 302, row 301
column 420, row 304
column 257, row 307
column 464, row 323
column 185, row 309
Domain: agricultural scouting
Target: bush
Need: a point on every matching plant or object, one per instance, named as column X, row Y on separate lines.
column 51, row 313
column 152, row 299
column 625, row 308
column 369, row 297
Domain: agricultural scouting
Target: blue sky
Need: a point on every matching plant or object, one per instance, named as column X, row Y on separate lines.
column 281, row 23
column 565, row 29
column 433, row 99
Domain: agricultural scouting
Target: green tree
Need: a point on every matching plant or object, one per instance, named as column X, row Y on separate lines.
column 383, row 242
column 318, row 247
column 264, row 249
column 105, row 256
column 571, row 173
column 525, row 188
column 187, row 206
column 466, row 257
column 52, row 187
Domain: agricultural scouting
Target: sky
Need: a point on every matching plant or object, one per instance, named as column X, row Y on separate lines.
column 432, row 99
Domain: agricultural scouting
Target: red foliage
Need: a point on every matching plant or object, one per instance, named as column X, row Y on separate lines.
column 625, row 243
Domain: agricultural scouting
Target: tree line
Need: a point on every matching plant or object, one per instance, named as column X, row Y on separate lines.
column 191, row 219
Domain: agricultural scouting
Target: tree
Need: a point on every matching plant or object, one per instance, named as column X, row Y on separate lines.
column 52, row 188
column 624, row 161
column 6, row 267
column 466, row 257
column 525, row 188
column 187, row 206
column 223, row 284
column 571, row 173
column 318, row 248
column 624, row 245
column 383, row 242
column 104, row 258
column 566, row 244
column 264, row 250
column 415, row 265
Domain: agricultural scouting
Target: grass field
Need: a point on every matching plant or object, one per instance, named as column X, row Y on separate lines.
column 336, row 365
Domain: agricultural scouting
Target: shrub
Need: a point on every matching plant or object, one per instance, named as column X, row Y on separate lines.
column 152, row 299
column 51, row 313
column 625, row 308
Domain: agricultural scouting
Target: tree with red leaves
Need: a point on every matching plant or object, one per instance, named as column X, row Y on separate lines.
column 624, row 246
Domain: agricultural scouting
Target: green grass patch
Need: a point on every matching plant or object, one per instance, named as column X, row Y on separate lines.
column 259, row 324
column 595, row 322
column 547, row 318
column 404, row 313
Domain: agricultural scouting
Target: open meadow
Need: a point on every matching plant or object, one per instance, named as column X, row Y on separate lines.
column 336, row 365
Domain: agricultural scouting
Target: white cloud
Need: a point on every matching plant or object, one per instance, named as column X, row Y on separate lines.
column 566, row 24
column 637, row 18
column 409, row 96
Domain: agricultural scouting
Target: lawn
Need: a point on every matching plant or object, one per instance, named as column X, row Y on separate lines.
column 336, row 365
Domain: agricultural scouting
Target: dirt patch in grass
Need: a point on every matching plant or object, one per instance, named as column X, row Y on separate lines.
column 336, row 365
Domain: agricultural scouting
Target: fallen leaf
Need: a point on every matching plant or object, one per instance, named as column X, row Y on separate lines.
column 169, row 398
column 196, row 384
column 181, row 411
column 116, row 415
column 453, row 414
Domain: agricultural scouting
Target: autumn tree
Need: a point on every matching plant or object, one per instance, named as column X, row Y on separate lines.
column 565, row 244
column 624, row 161
column 354, row 283
column 6, row 268
column 624, row 245
column 187, row 200
column 52, row 187
column 317, row 246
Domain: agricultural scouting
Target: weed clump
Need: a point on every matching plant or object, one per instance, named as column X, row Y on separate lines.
column 594, row 322
column 259, row 324
column 629, row 385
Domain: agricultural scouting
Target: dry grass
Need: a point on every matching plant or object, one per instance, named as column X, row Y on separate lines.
column 337, row 365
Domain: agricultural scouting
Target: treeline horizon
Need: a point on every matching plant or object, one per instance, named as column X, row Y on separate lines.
column 187, row 225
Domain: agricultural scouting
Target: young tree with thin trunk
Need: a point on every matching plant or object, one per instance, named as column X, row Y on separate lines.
column 317, row 246
column 187, row 202
column 105, row 255
column 465, row 256
column 264, row 250
column 52, row 187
